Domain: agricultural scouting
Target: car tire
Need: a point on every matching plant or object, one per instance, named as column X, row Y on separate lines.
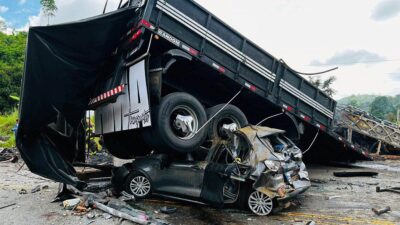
column 245, row 194
column 230, row 114
column 126, row 145
column 138, row 185
column 165, row 135
column 260, row 203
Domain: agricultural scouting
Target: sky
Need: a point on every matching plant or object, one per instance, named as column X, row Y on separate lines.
column 361, row 37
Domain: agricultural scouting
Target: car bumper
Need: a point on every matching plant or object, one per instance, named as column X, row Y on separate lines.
column 293, row 194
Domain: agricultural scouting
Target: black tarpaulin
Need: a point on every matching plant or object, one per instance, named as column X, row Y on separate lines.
column 63, row 63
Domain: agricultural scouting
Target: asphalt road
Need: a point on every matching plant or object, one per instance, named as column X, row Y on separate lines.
column 330, row 200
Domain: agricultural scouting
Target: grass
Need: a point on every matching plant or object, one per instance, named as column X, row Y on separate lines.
column 7, row 122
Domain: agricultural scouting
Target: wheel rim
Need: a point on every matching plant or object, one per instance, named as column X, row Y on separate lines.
column 140, row 186
column 260, row 203
column 226, row 121
column 184, row 122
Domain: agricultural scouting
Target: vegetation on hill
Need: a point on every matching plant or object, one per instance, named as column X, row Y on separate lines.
column 12, row 53
column 7, row 122
column 383, row 107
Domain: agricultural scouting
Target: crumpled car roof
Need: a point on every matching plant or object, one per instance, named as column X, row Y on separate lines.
column 252, row 131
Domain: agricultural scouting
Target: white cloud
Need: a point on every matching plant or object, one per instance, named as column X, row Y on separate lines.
column 350, row 57
column 21, row 2
column 386, row 9
column 3, row 9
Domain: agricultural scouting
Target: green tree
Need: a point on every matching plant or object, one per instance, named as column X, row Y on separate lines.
column 12, row 53
column 49, row 8
column 324, row 85
column 381, row 107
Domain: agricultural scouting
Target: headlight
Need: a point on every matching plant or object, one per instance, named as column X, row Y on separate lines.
column 272, row 165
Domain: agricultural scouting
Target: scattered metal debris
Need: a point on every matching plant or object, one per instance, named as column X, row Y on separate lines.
column 390, row 189
column 23, row 192
column 381, row 211
column 90, row 216
column 114, row 212
column 9, row 155
column 332, row 197
column 36, row 189
column 125, row 196
column 71, row 204
column 168, row 210
column 355, row 174
column 106, row 216
column 7, row 205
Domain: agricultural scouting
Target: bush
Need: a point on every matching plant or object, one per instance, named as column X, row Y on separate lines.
column 7, row 122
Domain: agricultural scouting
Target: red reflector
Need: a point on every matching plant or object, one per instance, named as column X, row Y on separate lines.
column 288, row 107
column 251, row 87
column 305, row 118
column 221, row 69
column 322, row 127
column 193, row 51
column 145, row 23
column 135, row 35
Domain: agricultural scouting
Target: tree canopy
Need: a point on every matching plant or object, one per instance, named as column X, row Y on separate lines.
column 324, row 85
column 12, row 53
column 49, row 8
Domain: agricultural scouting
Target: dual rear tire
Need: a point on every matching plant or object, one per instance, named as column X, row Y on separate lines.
column 178, row 123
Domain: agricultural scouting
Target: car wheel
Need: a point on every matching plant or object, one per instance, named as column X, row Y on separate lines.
column 260, row 203
column 231, row 117
column 175, row 122
column 138, row 185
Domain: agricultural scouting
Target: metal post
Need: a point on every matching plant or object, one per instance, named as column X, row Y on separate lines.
column 378, row 151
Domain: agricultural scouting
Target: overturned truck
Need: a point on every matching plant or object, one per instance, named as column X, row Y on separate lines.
column 164, row 76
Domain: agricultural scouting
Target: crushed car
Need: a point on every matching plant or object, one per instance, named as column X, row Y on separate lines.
column 257, row 168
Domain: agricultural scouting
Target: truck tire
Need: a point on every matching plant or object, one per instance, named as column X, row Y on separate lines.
column 168, row 132
column 229, row 115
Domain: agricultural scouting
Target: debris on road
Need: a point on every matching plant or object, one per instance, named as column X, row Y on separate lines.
column 168, row 210
column 125, row 196
column 90, row 216
column 381, row 211
column 23, row 192
column 332, row 197
column 355, row 174
column 107, row 216
column 390, row 189
column 9, row 155
column 36, row 189
column 71, row 204
column 114, row 212
column 7, row 205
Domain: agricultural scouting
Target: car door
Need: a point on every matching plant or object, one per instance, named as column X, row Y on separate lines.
column 182, row 178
